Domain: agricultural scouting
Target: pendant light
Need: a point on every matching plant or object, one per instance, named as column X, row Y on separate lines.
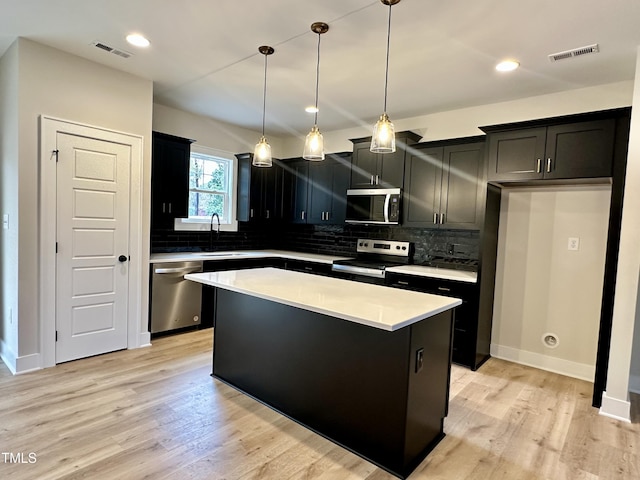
column 314, row 143
column 384, row 138
column 262, row 152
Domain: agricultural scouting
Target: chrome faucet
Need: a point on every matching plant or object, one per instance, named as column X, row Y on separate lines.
column 211, row 231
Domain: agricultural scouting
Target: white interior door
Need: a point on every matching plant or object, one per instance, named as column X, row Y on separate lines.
column 92, row 271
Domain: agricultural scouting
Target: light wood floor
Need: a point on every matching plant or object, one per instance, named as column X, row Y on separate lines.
column 156, row 413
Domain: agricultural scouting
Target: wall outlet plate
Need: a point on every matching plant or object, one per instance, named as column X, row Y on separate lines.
column 573, row 244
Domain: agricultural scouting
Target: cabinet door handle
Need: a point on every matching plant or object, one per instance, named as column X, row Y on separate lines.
column 251, row 213
column 164, row 208
column 371, row 180
column 435, row 218
column 267, row 213
column 402, row 282
column 377, row 179
column 444, row 289
column 442, row 219
column 302, row 215
column 539, row 166
column 169, row 207
column 326, row 216
column 548, row 165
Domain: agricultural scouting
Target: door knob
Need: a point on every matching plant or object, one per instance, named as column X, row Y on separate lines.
column 122, row 258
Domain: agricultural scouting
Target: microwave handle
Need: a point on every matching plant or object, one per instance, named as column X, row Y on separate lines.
column 387, row 202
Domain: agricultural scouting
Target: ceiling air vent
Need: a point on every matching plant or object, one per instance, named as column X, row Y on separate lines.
column 576, row 52
column 115, row 51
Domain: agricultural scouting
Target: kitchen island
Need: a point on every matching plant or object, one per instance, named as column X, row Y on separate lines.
column 364, row 365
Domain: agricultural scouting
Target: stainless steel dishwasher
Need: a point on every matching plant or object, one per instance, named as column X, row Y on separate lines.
column 175, row 302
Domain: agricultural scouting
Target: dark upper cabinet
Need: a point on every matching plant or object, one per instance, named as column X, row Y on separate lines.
column 315, row 192
column 259, row 191
column 328, row 184
column 444, row 185
column 169, row 179
column 296, row 187
column 375, row 170
column 572, row 150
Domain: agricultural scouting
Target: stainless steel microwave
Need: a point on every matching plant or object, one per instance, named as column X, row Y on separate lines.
column 374, row 206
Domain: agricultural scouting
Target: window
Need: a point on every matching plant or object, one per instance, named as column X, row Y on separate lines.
column 211, row 190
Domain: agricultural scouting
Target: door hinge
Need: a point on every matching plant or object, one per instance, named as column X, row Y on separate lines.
column 56, row 335
column 55, row 152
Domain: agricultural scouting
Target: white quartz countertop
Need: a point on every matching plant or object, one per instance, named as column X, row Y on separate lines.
column 243, row 254
column 374, row 305
column 444, row 273
column 432, row 272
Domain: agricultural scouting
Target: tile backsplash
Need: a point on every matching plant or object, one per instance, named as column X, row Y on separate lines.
column 324, row 239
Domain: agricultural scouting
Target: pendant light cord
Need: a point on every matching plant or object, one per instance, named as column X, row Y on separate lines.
column 386, row 75
column 315, row 116
column 264, row 94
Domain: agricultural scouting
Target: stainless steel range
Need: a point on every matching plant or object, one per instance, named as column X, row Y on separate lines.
column 373, row 258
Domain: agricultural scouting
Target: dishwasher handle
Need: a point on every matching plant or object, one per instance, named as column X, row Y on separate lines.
column 177, row 270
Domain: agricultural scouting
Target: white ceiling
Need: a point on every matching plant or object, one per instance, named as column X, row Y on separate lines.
column 203, row 56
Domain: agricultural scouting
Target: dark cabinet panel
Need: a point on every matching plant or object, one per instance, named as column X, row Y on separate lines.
column 316, row 192
column 364, row 166
column 259, row 191
column 565, row 151
column 469, row 340
column 580, row 150
column 444, row 186
column 169, row 179
column 374, row 170
column 422, row 183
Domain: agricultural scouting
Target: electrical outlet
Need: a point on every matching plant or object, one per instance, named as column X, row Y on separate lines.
column 573, row 244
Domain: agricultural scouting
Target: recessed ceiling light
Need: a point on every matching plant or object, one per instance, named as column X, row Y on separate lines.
column 507, row 66
column 311, row 109
column 137, row 40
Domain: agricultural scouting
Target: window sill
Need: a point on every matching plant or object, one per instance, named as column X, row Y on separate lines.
column 186, row 225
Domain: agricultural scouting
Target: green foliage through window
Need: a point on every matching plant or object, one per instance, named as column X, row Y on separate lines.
column 209, row 187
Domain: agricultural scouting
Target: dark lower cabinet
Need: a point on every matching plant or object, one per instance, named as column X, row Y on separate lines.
column 470, row 339
column 308, row 267
column 208, row 293
column 383, row 395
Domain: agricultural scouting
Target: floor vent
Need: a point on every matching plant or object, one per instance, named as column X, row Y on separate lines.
column 576, row 52
column 115, row 51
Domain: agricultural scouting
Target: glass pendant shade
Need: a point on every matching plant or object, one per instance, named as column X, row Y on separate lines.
column 384, row 137
column 262, row 154
column 314, row 145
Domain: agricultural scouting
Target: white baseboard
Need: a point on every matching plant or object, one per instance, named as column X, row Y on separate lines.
column 144, row 340
column 581, row 371
column 634, row 383
column 18, row 365
column 8, row 356
column 615, row 408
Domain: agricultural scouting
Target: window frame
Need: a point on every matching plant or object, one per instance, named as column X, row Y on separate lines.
column 201, row 224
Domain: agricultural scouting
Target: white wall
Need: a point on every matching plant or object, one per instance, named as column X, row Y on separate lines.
column 465, row 122
column 209, row 132
column 541, row 286
column 64, row 86
column 626, row 314
column 9, row 204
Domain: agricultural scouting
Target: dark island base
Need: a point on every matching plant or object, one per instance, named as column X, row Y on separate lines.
column 382, row 395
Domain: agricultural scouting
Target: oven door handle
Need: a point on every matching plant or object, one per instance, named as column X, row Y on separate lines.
column 358, row 270
column 387, row 202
